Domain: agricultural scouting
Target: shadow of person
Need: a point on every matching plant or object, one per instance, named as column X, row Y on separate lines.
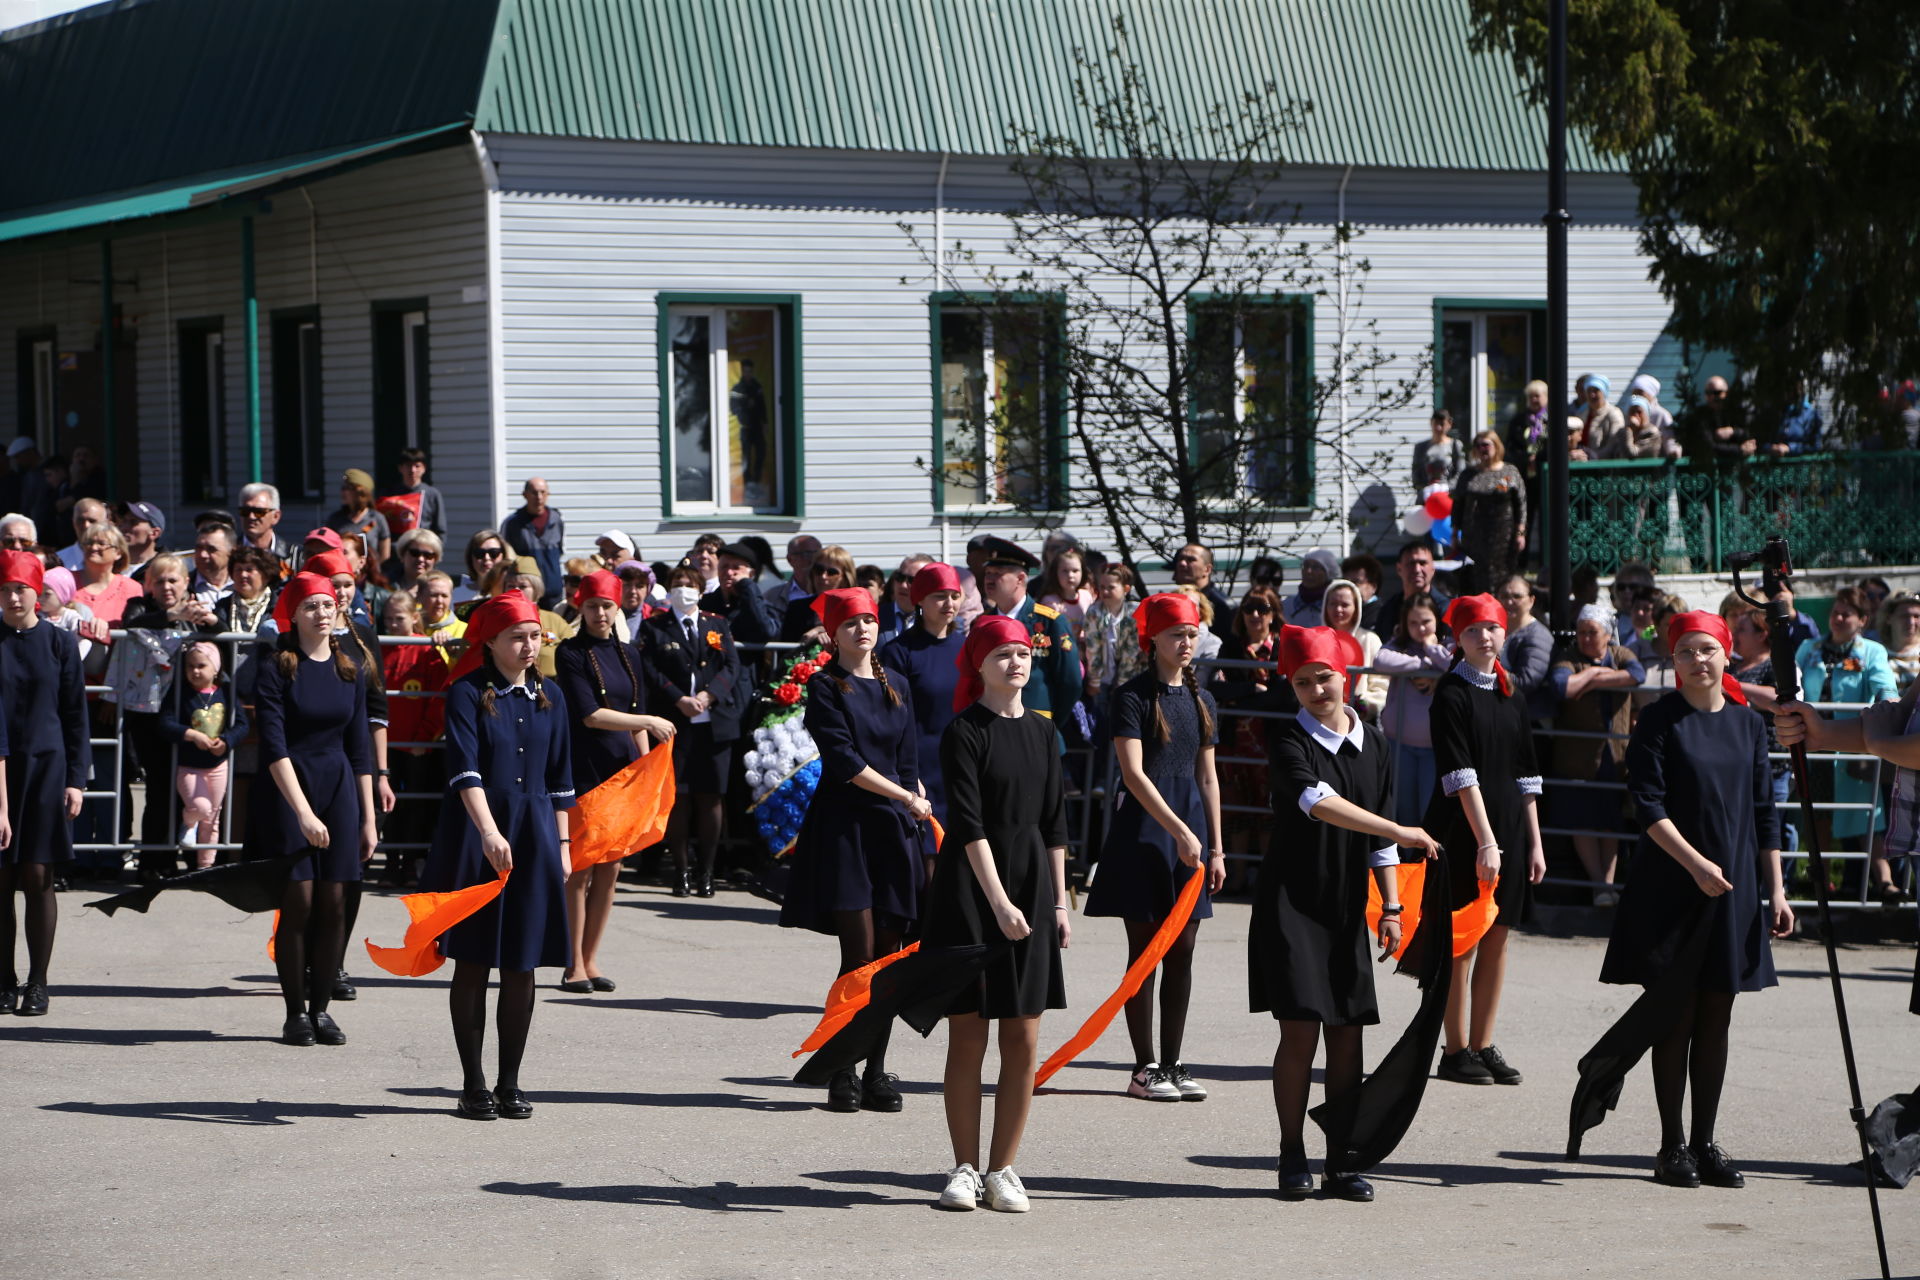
column 1057, row 1188
column 154, row 993
column 719, row 1101
column 721, row 1197
column 1435, row 1175
column 788, row 1082
column 1830, row 1175
column 260, row 1112
column 747, row 1009
column 682, row 909
column 40, row 1033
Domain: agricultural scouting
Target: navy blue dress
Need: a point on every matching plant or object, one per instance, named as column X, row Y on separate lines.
column 599, row 675
column 1708, row 772
column 1140, row 875
column 856, row 850
column 317, row 721
column 44, row 737
column 520, row 756
column 927, row 666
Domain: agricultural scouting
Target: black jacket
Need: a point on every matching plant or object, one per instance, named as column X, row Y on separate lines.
column 673, row 670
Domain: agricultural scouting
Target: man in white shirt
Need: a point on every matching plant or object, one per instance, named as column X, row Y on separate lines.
column 212, row 553
column 86, row 512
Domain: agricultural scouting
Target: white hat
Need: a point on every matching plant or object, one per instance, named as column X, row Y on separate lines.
column 619, row 540
column 1645, row 384
column 20, row 445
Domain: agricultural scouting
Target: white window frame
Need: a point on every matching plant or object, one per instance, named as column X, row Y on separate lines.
column 719, row 396
column 992, row 464
column 1477, row 375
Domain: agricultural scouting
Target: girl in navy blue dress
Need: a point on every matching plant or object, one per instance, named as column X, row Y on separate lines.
column 923, row 656
column 1698, row 770
column 1167, row 828
column 43, row 737
column 603, row 679
column 311, row 705
column 509, row 765
column 858, row 863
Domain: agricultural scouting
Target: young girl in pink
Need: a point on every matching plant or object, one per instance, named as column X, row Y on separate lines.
column 205, row 720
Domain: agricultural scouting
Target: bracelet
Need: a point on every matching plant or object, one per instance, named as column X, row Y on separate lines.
column 1393, row 910
column 1491, row 844
column 566, row 839
column 1063, row 908
column 381, row 773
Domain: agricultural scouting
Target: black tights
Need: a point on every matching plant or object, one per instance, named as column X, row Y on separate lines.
column 312, row 935
column 861, row 943
column 1696, row 1047
column 1176, row 987
column 467, row 1002
column 34, row 881
column 1293, row 1075
column 701, row 811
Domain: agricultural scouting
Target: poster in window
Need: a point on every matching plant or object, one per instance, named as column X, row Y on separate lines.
column 752, row 456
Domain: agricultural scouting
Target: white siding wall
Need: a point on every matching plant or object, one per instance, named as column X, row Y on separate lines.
column 407, row 228
column 591, row 231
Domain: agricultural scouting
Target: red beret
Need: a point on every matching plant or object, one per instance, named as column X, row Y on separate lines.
column 1166, row 609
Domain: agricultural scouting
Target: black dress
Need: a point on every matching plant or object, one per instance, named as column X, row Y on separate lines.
column 1481, row 737
column 1309, row 955
column 927, row 668
column 856, row 850
column 596, row 675
column 1708, row 772
column 1003, row 786
column 1140, row 873
column 44, row 703
column 317, row 722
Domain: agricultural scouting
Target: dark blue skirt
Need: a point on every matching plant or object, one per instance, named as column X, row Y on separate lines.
column 855, row 852
column 328, row 783
column 1140, row 874
column 37, row 804
column 526, row 926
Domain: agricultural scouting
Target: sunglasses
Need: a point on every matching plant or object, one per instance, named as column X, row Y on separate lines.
column 260, row 513
column 489, row 553
column 421, row 553
column 16, row 544
column 1256, row 609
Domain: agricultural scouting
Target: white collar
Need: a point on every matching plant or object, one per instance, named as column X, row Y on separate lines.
column 525, row 690
column 1328, row 738
column 1471, row 674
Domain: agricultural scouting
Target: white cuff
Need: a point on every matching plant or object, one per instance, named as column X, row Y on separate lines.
column 1385, row 856
column 1313, row 795
column 1454, row 781
column 1529, row 786
column 376, row 721
column 470, row 773
column 561, row 795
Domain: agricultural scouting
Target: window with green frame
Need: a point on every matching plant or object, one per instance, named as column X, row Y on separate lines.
column 999, row 412
column 1485, row 351
column 1251, row 401
column 729, row 403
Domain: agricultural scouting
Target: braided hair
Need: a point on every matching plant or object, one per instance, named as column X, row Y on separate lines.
column 600, row 679
column 493, row 675
column 1162, row 731
column 879, row 673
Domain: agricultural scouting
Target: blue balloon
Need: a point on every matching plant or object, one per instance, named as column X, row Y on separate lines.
column 1443, row 531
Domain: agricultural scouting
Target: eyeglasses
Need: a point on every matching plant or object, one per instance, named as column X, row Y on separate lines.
column 1256, row 609
column 1697, row 655
column 489, row 553
column 1716, row 392
column 258, row 513
column 16, row 544
column 421, row 553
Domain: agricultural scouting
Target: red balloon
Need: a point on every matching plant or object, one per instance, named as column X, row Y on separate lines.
column 1440, row 505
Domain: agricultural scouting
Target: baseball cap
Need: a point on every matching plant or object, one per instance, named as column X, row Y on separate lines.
column 328, row 537
column 20, row 445
column 143, row 511
column 618, row 539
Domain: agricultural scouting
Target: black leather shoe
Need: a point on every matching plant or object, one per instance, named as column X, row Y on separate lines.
column 343, row 988
column 9, row 997
column 577, row 987
column 1296, row 1180
column 326, row 1030
column 1348, row 1186
column 298, row 1030
column 1464, row 1067
column 1497, row 1066
column 1715, row 1169
column 878, row 1094
column 682, row 886
column 705, row 888
column 512, row 1104
column 843, row 1091
column 33, row 1000
column 1676, row 1167
column 601, row 984
column 477, row 1104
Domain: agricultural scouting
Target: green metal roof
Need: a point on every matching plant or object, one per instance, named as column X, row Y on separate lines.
column 1391, row 82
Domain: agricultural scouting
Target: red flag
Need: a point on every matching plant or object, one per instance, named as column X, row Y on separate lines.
column 402, row 511
column 433, row 914
column 625, row 813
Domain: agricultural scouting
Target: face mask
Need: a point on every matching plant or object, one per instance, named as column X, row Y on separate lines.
column 685, row 599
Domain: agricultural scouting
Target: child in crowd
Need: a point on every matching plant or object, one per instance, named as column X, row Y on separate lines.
column 205, row 720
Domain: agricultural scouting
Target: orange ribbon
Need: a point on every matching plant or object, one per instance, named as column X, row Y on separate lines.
column 433, row 914
column 627, row 812
column 1470, row 923
column 1137, row 972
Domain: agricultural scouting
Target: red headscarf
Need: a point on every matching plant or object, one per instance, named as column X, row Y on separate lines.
column 24, row 566
column 1712, row 624
column 327, row 563
column 932, row 578
column 295, row 593
column 983, row 637
column 836, row 606
column 493, row 615
column 1300, row 646
column 601, row 584
column 1466, row 611
column 1167, row 609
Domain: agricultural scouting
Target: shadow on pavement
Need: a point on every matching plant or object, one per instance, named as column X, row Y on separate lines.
column 924, row 1186
column 788, row 1082
column 151, row 993
column 561, row 1097
column 44, row 1033
column 1825, row 1175
column 246, row 1113
column 1873, row 975
column 369, row 980
column 702, row 909
column 748, row 1009
column 1203, row 1072
column 721, row 1197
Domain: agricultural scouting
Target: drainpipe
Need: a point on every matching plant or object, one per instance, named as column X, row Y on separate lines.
column 939, row 272
column 250, row 301
column 110, row 417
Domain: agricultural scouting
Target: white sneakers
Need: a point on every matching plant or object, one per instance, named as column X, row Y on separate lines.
column 963, row 1188
column 1190, row 1090
column 1155, row 1085
column 1001, row 1189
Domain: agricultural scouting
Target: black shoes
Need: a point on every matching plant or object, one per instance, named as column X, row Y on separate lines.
column 1715, row 1169
column 1296, row 1181
column 843, row 1091
column 1464, row 1067
column 477, row 1104
column 1497, row 1065
column 512, row 1104
column 325, row 1029
column 298, row 1030
column 682, row 885
column 577, row 987
column 1676, row 1167
column 33, row 1000
column 1348, row 1186
column 9, row 997
column 343, row 988
column 705, row 888
column 601, row 984
column 878, row 1094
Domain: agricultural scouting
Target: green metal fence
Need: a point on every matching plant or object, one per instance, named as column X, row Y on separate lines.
column 1838, row 510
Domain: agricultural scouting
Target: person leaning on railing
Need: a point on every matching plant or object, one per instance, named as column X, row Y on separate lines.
column 1415, row 646
column 1889, row 730
column 1592, row 684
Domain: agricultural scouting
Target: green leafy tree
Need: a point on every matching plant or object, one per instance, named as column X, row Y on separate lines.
column 1772, row 142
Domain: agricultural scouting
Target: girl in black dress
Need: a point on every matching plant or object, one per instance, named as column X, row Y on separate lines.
column 697, row 685
column 43, row 738
column 604, row 681
column 312, row 711
column 1489, row 783
column 1006, row 811
column 858, row 863
column 1167, row 829
column 1697, row 767
column 508, row 764
column 1307, row 954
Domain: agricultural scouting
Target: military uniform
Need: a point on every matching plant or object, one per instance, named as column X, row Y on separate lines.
column 1056, row 681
